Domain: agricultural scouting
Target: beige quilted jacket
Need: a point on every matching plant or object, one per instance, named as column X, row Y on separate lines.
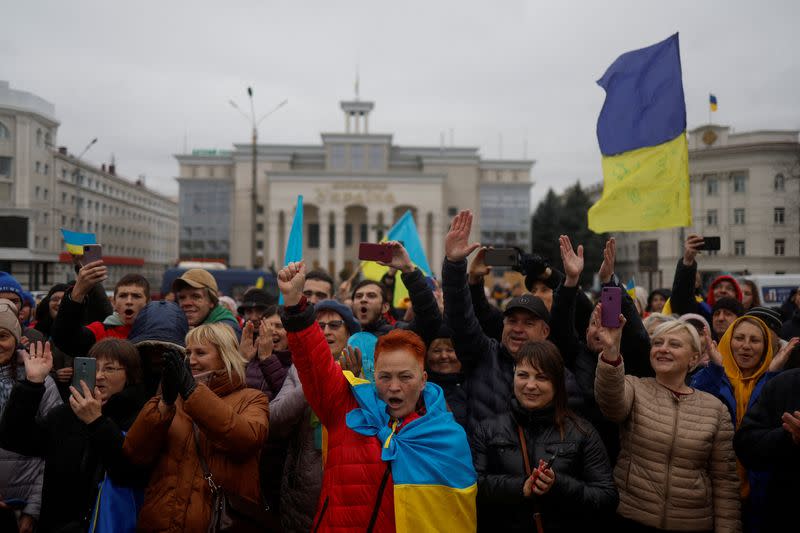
column 676, row 469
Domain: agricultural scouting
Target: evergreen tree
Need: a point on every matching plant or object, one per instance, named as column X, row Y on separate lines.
column 545, row 228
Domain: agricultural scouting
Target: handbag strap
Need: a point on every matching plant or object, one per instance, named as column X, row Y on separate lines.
column 524, row 450
column 203, row 464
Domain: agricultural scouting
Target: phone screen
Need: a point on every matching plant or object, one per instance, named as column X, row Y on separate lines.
column 370, row 251
column 501, row 257
column 611, row 298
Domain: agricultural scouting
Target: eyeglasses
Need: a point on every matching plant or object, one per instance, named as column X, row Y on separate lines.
column 333, row 324
column 109, row 369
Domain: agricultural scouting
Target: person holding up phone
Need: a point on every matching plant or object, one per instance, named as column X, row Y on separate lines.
column 676, row 468
column 79, row 441
column 571, row 485
column 684, row 298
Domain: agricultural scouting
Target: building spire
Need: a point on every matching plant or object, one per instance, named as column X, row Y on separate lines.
column 357, row 84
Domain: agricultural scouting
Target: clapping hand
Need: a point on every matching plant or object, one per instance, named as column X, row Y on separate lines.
column 247, row 346
column 609, row 258
column 172, row 359
column 264, row 342
column 573, row 262
column 540, row 481
column 38, row 362
column 711, row 352
column 291, row 280
column 779, row 361
column 350, row 359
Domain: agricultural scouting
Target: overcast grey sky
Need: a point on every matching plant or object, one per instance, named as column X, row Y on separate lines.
column 142, row 75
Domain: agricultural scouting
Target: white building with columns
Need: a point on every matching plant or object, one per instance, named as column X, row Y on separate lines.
column 355, row 185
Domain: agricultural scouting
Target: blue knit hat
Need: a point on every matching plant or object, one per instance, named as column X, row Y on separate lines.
column 343, row 311
column 8, row 283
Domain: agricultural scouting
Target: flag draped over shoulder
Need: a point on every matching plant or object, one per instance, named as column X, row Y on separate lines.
column 75, row 240
column 404, row 231
column 435, row 484
column 642, row 135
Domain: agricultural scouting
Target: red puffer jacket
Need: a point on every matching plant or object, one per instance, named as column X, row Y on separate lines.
column 355, row 477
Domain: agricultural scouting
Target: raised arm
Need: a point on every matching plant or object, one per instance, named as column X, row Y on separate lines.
column 682, row 300
column 326, row 388
column 612, row 390
column 471, row 343
column 562, row 319
column 287, row 409
column 427, row 317
column 489, row 316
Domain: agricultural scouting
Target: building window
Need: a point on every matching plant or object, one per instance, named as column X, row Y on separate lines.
column 4, row 133
column 5, row 166
column 46, row 169
column 357, row 157
column 780, row 247
column 738, row 216
column 779, row 216
column 259, row 209
column 364, row 234
column 780, row 182
column 376, row 156
column 38, row 167
column 259, row 227
column 337, row 156
column 259, row 245
column 46, row 193
column 712, row 187
column 738, row 248
column 313, row 235
column 348, row 235
column 38, row 137
column 452, row 211
column 38, row 190
column 739, row 183
column 711, row 217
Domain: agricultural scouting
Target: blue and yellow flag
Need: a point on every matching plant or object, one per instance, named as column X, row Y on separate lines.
column 75, row 240
column 294, row 246
column 630, row 288
column 712, row 102
column 435, row 484
column 642, row 135
column 404, row 231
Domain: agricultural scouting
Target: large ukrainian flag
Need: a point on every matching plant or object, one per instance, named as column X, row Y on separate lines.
column 642, row 136
column 435, row 484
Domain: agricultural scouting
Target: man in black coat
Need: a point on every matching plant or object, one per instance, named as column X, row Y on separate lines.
column 486, row 362
column 769, row 439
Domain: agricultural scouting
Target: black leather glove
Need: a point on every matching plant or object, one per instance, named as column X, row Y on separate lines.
column 169, row 376
column 184, row 381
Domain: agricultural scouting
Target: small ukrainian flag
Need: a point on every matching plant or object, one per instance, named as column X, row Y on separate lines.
column 75, row 240
column 712, row 101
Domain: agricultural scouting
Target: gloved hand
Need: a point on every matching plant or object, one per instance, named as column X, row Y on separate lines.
column 184, row 381
column 169, row 377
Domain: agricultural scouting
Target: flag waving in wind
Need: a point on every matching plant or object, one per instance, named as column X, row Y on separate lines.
column 294, row 246
column 404, row 231
column 642, row 135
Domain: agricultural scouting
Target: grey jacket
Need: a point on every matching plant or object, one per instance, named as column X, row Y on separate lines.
column 20, row 475
column 290, row 418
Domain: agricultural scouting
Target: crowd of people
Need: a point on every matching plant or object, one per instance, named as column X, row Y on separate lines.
column 333, row 411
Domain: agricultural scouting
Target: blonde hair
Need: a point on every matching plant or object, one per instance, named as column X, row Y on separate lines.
column 674, row 326
column 654, row 320
column 224, row 340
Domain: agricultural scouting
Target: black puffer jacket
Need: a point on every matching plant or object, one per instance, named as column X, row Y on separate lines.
column 583, row 494
column 76, row 455
column 455, row 393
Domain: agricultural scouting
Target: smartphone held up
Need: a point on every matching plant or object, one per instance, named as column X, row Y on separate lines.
column 611, row 300
column 370, row 251
column 91, row 253
column 84, row 369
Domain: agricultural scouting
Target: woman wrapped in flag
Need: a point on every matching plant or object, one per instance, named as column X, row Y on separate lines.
column 395, row 458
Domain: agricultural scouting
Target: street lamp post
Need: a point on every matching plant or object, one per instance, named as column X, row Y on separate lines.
column 78, row 183
column 253, row 196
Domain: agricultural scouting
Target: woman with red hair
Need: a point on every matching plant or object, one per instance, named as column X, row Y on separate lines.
column 395, row 458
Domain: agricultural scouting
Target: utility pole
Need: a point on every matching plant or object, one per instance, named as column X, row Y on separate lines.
column 253, row 191
column 78, row 183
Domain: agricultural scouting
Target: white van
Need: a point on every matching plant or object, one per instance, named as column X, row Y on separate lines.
column 774, row 288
